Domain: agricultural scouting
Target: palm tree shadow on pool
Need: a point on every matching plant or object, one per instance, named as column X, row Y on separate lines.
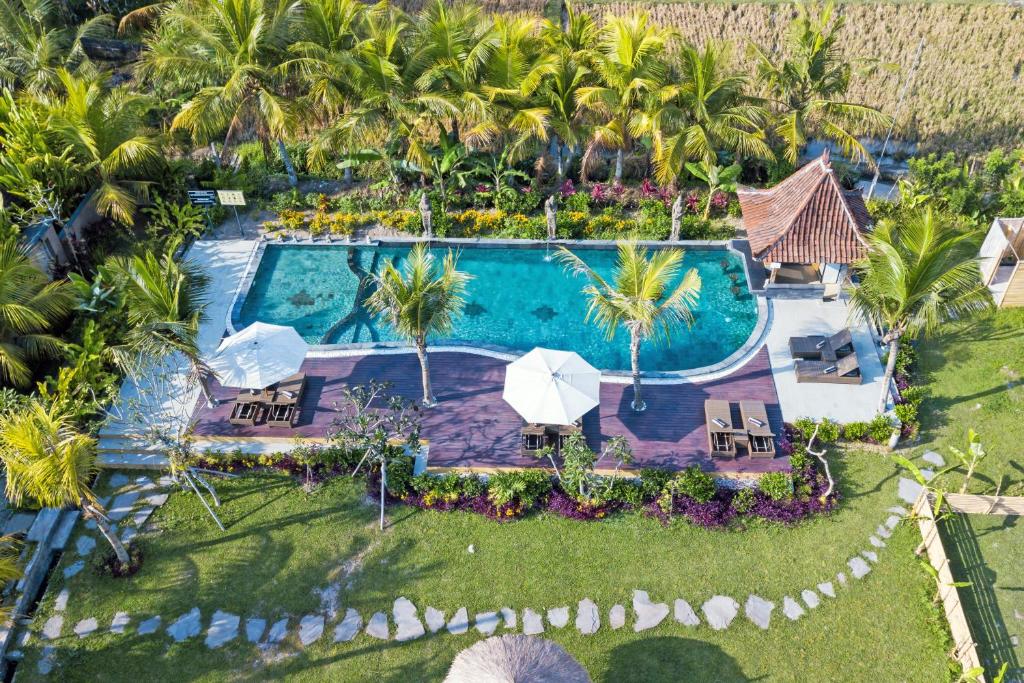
column 671, row 659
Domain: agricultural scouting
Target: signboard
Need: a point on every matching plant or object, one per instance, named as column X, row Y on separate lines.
column 231, row 197
column 202, row 197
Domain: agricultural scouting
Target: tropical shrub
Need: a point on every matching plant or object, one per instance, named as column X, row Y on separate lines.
column 653, row 481
column 743, row 501
column 694, row 483
column 169, row 221
column 776, row 485
column 525, row 487
column 292, row 220
column 880, row 429
column 856, row 431
column 523, row 200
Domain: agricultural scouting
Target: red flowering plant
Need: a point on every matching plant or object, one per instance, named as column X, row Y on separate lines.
column 692, row 202
column 567, row 189
column 598, row 193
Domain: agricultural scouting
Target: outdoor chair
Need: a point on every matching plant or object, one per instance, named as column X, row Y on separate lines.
column 846, row 370
column 721, row 432
column 561, row 433
column 284, row 409
column 817, row 347
column 755, row 423
column 245, row 413
column 533, row 438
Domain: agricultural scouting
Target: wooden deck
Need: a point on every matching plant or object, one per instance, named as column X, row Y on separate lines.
column 472, row 427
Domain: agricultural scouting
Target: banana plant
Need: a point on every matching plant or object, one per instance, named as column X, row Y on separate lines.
column 717, row 178
column 926, row 483
column 498, row 170
column 969, row 459
column 448, row 162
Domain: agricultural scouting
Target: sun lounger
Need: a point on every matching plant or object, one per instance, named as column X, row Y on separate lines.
column 755, row 423
column 817, row 347
column 255, row 395
column 561, row 433
column 284, row 409
column 533, row 438
column 721, row 432
column 245, row 413
column 845, row 370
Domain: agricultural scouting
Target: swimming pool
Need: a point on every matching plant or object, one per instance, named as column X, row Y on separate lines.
column 516, row 300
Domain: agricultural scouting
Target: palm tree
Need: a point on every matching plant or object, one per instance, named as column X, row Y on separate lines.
column 629, row 66
column 234, row 50
column 640, row 296
column 918, row 273
column 704, row 111
column 423, row 300
column 105, row 129
column 808, row 87
column 165, row 301
column 30, row 306
column 52, row 464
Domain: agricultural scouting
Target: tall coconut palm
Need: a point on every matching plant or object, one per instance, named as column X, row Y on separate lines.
column 422, row 299
column 30, row 307
column 233, row 50
column 105, row 129
column 630, row 68
column 641, row 296
column 50, row 463
column 165, row 301
column 703, row 111
column 809, row 84
column 919, row 272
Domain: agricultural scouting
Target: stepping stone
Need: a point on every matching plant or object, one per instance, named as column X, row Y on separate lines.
column 933, row 458
column 810, row 598
column 129, row 534
column 143, row 480
column 84, row 545
column 73, row 568
column 617, row 617
column 348, row 627
column 223, row 629
column 684, row 614
column 165, row 481
column 892, row 521
column 187, row 626
column 486, row 622
column 883, row 531
column 151, row 625
column 827, row 589
column 508, row 615
column 928, row 474
column 588, row 619
column 870, row 555
column 719, row 611
column 157, row 499
column 842, row 578
column 759, row 611
column 47, row 661
column 254, row 628
column 407, row 624
column 648, row 614
column 61, row 603
column 278, row 631
column 908, row 490
column 558, row 617
column 117, row 480
column 329, row 597
column 85, row 627
column 459, row 623
column 791, row 608
column 897, row 510
column 122, row 505
column 120, row 622
column 52, row 627
column 377, row 627
column 876, row 541
column 858, row 567
column 142, row 515
column 311, row 627
column 434, row 618
column 533, row 623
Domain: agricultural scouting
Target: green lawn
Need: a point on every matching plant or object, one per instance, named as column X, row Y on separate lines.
column 975, row 375
column 282, row 543
column 986, row 550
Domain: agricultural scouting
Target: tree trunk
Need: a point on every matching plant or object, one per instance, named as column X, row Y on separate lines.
column 348, row 177
column 216, row 156
column 707, row 205
column 428, row 392
column 293, row 179
column 555, row 149
column 890, row 369
column 634, row 356
column 570, row 156
column 620, row 155
column 383, row 486
column 103, row 524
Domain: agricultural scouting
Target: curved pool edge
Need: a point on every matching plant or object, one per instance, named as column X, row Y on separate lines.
column 733, row 362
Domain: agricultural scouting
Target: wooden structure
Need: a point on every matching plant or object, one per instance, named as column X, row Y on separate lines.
column 1000, row 261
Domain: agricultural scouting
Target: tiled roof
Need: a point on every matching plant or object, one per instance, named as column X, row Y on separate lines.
column 807, row 218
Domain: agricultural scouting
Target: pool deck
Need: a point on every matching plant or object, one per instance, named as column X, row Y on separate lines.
column 472, row 428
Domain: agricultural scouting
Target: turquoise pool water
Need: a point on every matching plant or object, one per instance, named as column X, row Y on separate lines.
column 516, row 299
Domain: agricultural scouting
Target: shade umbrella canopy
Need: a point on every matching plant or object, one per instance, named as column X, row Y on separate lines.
column 258, row 356
column 515, row 659
column 552, row 387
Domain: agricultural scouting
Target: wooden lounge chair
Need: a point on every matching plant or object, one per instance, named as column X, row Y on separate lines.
column 284, row 409
column 817, row 347
column 560, row 433
column 755, row 422
column 245, row 413
column 846, row 370
column 533, row 438
column 721, row 432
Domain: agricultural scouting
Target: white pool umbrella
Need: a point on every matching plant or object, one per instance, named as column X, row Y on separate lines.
column 515, row 659
column 258, row 356
column 552, row 387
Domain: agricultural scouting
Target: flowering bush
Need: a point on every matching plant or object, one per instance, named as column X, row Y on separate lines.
column 291, row 219
column 567, row 189
column 473, row 222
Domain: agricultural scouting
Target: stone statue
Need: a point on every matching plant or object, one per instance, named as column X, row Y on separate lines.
column 550, row 212
column 426, row 216
column 677, row 217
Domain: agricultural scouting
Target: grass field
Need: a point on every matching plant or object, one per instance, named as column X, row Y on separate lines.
column 281, row 544
column 986, row 550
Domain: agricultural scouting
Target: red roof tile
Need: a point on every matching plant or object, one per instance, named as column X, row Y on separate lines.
column 807, row 218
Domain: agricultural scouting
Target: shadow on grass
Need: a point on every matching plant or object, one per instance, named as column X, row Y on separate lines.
column 672, row 659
